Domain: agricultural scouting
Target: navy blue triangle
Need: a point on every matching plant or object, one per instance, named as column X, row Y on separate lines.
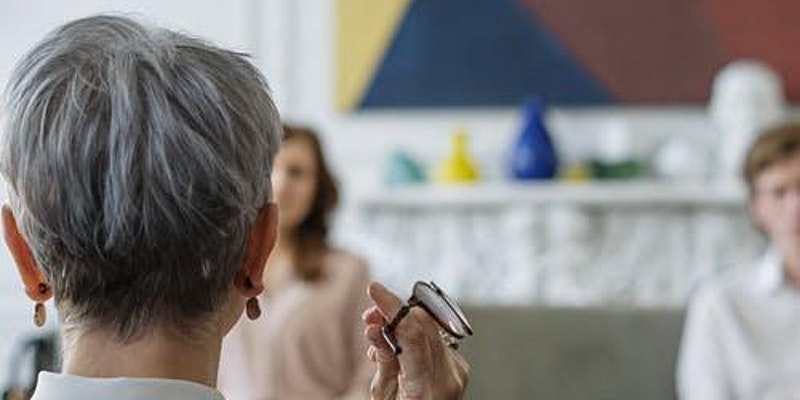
column 477, row 53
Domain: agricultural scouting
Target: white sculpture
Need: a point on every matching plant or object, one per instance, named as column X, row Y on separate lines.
column 747, row 96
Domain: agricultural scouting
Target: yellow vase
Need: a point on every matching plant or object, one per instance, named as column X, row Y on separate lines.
column 458, row 167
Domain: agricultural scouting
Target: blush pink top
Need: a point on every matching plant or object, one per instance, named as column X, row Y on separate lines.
column 308, row 343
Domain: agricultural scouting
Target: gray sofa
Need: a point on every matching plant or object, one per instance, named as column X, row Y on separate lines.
column 544, row 353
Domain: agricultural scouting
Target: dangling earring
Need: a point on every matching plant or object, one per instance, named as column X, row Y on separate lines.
column 39, row 314
column 253, row 309
column 39, row 310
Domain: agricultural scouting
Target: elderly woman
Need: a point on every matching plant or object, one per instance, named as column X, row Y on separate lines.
column 136, row 159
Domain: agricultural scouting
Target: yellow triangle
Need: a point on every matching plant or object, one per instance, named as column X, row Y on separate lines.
column 365, row 32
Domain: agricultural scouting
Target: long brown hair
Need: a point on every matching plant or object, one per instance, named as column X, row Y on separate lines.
column 311, row 236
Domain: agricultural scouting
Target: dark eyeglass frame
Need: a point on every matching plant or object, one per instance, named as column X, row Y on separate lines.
column 414, row 301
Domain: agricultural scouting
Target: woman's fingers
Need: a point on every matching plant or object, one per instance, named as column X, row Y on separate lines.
column 426, row 368
column 384, row 382
column 374, row 316
column 461, row 366
column 388, row 304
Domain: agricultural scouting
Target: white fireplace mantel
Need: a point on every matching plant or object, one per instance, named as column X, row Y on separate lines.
column 611, row 193
column 640, row 242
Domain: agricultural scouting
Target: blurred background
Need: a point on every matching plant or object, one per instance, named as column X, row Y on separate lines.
column 567, row 170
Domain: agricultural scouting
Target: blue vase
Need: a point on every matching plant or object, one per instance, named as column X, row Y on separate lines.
column 533, row 155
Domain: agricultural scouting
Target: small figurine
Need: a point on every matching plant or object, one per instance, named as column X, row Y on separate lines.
column 458, row 166
column 747, row 96
column 402, row 169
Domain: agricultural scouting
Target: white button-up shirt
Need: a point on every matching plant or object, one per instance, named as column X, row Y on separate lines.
column 70, row 387
column 741, row 339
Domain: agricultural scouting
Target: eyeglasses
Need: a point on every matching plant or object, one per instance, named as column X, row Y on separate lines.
column 452, row 321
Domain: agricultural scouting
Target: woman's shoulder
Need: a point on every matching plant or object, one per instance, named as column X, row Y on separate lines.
column 339, row 256
column 342, row 262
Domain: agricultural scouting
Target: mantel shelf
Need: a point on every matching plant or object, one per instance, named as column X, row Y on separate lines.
column 610, row 194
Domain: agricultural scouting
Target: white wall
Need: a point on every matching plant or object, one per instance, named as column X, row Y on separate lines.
column 293, row 41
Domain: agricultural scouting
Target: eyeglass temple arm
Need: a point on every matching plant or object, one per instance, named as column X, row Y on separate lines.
column 401, row 313
column 388, row 330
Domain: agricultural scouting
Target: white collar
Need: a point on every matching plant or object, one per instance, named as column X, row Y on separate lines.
column 52, row 386
column 770, row 275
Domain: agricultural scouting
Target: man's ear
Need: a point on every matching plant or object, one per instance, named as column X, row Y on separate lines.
column 753, row 207
column 33, row 278
column 249, row 280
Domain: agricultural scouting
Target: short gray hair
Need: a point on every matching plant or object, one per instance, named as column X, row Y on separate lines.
column 137, row 159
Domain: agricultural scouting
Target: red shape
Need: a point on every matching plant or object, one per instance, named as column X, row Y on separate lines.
column 767, row 30
column 642, row 50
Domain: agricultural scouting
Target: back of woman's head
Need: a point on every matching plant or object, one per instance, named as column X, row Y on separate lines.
column 136, row 159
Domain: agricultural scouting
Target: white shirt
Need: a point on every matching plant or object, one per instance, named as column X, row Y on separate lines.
column 741, row 339
column 52, row 386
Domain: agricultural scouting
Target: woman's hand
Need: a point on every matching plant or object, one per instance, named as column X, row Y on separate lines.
column 426, row 369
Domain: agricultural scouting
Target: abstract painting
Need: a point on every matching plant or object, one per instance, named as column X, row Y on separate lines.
column 462, row 53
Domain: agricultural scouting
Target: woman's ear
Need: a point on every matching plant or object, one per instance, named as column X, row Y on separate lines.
column 249, row 280
column 33, row 278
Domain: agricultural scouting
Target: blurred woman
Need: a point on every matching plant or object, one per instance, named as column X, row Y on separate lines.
column 314, row 295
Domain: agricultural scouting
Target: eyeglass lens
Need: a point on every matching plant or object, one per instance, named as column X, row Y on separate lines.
column 445, row 313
